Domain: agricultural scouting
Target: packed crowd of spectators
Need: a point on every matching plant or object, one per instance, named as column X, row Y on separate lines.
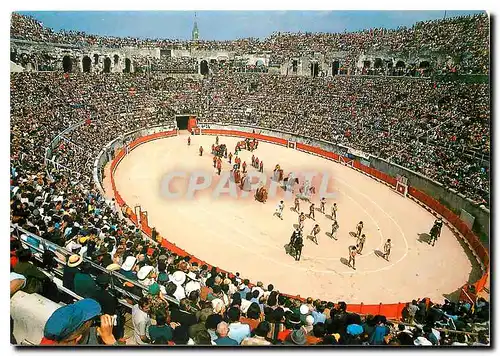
column 179, row 302
column 175, row 65
column 442, row 127
column 207, row 306
column 465, row 39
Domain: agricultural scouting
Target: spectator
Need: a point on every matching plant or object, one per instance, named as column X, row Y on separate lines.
column 259, row 338
column 161, row 333
column 141, row 321
column 72, row 325
column 237, row 330
column 223, row 338
column 211, row 325
column 35, row 279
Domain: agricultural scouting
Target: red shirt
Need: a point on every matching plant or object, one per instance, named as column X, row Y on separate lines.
column 282, row 335
column 13, row 259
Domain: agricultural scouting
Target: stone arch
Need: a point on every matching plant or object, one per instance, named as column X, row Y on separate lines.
column 86, row 64
column 367, row 64
column 67, row 64
column 128, row 65
column 378, row 63
column 400, row 64
column 314, row 69
column 116, row 58
column 96, row 59
column 13, row 56
column 204, row 67
column 335, row 67
column 107, row 65
column 424, row 64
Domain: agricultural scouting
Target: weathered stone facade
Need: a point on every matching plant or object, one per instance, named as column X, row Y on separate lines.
column 31, row 55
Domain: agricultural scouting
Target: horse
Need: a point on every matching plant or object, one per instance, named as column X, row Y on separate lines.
column 261, row 194
column 289, row 183
column 278, row 175
column 241, row 144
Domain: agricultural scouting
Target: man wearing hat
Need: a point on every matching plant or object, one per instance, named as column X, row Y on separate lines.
column 72, row 325
column 292, row 322
column 109, row 303
column 102, row 257
column 85, row 285
column 158, row 303
column 35, row 277
column 70, row 270
column 127, row 268
column 146, row 275
column 178, row 278
column 297, row 337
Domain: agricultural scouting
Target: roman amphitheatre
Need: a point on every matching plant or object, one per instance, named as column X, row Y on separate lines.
column 242, row 235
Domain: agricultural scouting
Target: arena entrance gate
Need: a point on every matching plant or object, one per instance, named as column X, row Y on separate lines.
column 182, row 121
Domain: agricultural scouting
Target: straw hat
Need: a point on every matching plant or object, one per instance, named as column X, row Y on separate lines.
column 113, row 267
column 144, row 272
column 74, row 260
column 129, row 263
column 178, row 277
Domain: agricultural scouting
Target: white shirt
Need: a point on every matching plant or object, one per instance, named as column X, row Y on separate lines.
column 180, row 293
column 141, row 322
column 14, row 276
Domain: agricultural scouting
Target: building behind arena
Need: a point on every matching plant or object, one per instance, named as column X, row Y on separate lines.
column 413, row 103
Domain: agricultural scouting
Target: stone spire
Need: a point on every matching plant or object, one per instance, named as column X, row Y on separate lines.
column 195, row 34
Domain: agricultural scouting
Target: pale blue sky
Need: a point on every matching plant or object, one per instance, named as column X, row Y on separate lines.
column 227, row 25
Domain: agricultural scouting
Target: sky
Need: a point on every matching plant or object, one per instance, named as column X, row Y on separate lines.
column 228, row 25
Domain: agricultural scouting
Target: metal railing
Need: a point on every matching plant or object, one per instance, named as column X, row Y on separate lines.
column 39, row 245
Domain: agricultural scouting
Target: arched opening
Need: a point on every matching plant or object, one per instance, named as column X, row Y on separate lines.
column 96, row 59
column 127, row 66
column 203, row 67
column 367, row 64
column 67, row 64
column 314, row 69
column 86, row 62
column 295, row 64
column 400, row 67
column 424, row 65
column 335, row 68
column 116, row 58
column 107, row 65
column 378, row 63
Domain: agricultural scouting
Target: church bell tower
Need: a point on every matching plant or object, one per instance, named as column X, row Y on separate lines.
column 195, row 35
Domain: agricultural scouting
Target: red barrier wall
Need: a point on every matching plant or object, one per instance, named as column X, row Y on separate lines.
column 392, row 311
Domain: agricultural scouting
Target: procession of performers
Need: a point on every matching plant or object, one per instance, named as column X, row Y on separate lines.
column 238, row 174
column 247, row 144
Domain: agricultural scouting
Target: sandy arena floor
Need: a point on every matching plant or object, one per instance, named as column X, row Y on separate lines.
column 242, row 235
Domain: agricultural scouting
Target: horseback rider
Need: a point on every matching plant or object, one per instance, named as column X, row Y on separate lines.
column 298, row 244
